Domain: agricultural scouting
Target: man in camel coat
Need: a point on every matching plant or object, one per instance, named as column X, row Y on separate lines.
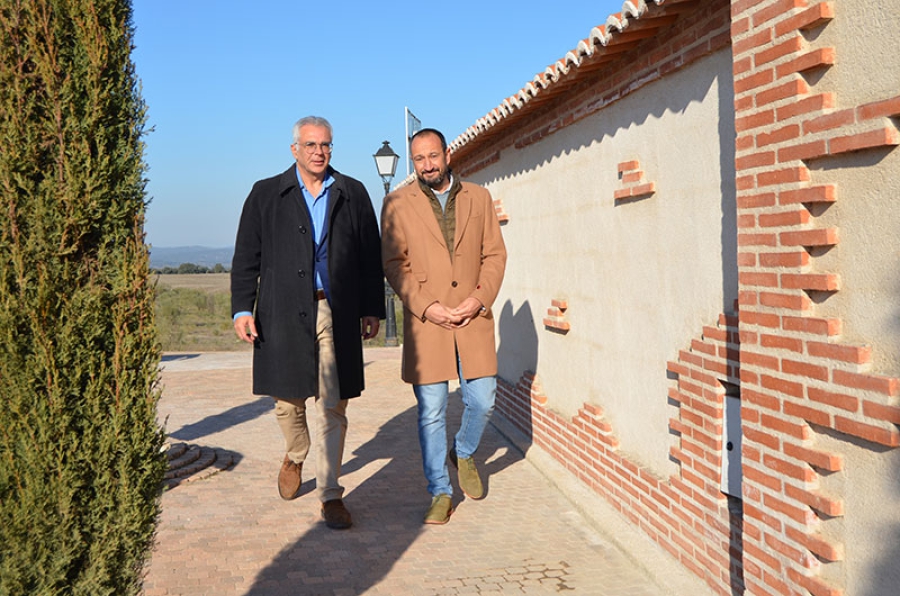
column 444, row 255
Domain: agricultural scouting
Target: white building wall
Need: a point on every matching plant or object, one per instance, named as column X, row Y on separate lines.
column 641, row 277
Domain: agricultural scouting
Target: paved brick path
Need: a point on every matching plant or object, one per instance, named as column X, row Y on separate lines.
column 230, row 534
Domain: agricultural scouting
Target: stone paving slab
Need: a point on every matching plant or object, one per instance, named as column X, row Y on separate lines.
column 231, row 534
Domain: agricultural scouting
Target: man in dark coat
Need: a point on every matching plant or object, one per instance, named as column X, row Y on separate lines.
column 306, row 286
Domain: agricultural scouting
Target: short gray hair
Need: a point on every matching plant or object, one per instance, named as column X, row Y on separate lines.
column 311, row 120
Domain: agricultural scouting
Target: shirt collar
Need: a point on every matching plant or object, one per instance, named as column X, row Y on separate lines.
column 449, row 186
column 326, row 183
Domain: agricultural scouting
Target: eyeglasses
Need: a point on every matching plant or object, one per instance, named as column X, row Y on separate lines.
column 311, row 147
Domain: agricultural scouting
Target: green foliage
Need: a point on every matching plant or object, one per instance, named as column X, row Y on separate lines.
column 80, row 447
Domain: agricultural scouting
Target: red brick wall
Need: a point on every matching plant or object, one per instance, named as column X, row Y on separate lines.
column 694, row 34
column 686, row 514
column 795, row 370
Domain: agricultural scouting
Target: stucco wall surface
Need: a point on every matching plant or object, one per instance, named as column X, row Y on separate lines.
column 867, row 213
column 641, row 277
column 867, row 63
column 867, row 258
column 870, row 526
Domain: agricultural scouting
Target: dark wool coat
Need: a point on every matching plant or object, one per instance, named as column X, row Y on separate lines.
column 273, row 276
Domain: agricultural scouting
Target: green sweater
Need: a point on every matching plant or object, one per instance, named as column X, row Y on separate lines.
column 446, row 217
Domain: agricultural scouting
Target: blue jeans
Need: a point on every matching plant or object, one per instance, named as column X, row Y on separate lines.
column 478, row 403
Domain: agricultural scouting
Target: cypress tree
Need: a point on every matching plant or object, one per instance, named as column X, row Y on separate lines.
column 81, row 459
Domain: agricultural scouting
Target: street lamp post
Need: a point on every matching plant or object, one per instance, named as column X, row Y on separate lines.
column 386, row 163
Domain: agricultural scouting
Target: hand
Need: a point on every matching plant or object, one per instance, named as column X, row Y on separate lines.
column 245, row 328
column 467, row 310
column 369, row 327
column 439, row 315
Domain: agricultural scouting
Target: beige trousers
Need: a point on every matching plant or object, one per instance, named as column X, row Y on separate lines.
column 330, row 416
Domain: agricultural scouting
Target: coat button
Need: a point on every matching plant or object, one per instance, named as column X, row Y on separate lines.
column 301, row 273
column 302, row 314
column 302, row 229
column 454, row 284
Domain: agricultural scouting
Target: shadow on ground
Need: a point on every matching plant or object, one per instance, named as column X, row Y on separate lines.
column 178, row 357
column 353, row 561
column 223, row 420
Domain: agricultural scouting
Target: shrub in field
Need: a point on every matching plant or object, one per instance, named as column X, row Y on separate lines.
column 80, row 447
column 195, row 320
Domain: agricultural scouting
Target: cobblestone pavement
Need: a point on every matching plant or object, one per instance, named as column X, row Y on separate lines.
column 229, row 533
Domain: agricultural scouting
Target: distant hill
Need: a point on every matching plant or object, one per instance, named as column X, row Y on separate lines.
column 198, row 255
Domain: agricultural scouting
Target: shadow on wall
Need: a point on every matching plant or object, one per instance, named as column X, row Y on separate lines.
column 710, row 80
column 728, row 189
column 517, row 354
column 888, row 566
column 647, row 103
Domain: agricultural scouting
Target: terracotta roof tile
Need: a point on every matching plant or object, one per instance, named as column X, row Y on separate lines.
column 623, row 31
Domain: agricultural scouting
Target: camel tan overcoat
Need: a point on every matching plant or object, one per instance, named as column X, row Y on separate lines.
column 417, row 264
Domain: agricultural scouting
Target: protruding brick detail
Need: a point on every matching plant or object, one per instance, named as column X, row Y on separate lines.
column 502, row 216
column 812, row 195
column 683, row 513
column 814, row 585
column 633, row 184
column 824, row 460
column 799, row 376
column 817, row 544
column 556, row 316
column 518, row 400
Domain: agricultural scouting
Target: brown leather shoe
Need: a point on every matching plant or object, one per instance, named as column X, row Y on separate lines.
column 289, row 479
column 336, row 515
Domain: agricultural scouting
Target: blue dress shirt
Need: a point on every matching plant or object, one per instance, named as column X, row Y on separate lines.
column 318, row 209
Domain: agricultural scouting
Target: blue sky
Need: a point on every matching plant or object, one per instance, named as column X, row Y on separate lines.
column 224, row 81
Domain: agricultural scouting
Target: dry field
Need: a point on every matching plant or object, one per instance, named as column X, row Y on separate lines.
column 193, row 313
column 205, row 282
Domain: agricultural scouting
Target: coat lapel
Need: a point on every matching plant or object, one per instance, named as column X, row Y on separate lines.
column 335, row 197
column 463, row 207
column 422, row 207
column 289, row 189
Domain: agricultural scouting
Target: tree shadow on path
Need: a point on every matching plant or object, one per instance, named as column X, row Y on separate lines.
column 223, row 420
column 387, row 508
